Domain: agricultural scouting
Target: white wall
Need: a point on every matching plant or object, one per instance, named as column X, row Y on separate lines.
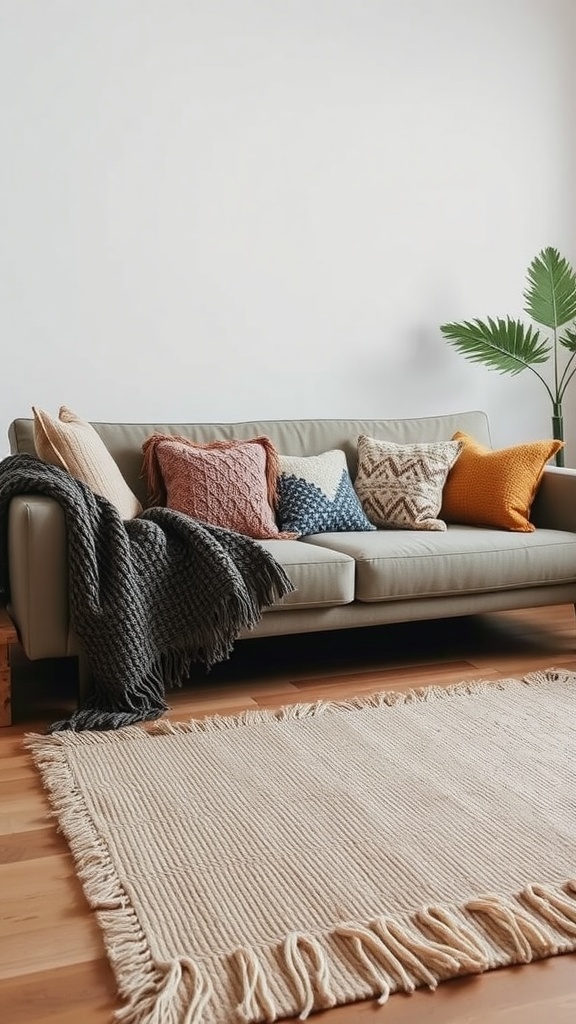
column 231, row 209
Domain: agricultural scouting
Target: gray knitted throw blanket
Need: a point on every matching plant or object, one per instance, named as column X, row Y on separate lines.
column 148, row 596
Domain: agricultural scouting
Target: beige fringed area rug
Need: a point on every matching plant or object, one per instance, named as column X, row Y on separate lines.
column 269, row 865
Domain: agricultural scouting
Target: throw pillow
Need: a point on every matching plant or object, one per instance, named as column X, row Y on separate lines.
column 400, row 485
column 226, row 483
column 495, row 488
column 71, row 443
column 315, row 495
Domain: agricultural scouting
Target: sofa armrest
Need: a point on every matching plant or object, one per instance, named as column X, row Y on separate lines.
column 554, row 507
column 38, row 573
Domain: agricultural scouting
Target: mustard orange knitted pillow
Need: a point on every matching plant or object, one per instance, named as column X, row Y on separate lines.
column 495, row 488
column 224, row 483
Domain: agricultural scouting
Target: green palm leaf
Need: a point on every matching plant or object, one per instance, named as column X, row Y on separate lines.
column 504, row 345
column 510, row 347
column 551, row 292
column 568, row 339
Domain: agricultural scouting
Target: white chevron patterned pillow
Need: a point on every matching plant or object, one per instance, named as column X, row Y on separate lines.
column 400, row 485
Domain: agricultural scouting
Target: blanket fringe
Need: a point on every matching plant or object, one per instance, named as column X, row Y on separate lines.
column 384, row 698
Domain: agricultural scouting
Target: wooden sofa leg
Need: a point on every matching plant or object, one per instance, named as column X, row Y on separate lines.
column 8, row 636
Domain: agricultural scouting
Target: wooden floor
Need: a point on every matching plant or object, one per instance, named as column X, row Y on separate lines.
column 53, row 968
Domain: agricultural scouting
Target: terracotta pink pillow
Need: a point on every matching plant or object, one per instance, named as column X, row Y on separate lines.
column 225, row 483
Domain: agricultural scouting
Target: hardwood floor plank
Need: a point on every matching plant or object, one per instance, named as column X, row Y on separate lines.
column 33, row 898
column 16, row 767
column 24, row 785
column 523, row 665
column 257, row 688
column 64, row 941
column 32, row 845
column 385, row 675
column 25, row 810
column 80, row 994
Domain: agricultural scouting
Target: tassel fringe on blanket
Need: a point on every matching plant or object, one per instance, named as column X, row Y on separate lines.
column 148, row 596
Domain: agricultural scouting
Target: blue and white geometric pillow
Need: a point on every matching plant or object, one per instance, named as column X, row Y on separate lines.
column 316, row 495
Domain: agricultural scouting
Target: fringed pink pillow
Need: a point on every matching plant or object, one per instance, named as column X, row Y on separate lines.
column 225, row 483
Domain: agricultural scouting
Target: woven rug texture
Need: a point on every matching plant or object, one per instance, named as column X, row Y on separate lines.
column 272, row 864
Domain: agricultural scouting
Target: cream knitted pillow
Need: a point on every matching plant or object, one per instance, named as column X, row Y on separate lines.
column 400, row 485
column 71, row 443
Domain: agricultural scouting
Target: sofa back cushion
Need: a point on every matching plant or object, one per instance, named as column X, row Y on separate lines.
column 290, row 437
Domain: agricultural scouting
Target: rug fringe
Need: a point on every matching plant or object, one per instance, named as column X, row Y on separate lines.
column 158, row 993
column 410, row 959
column 391, row 955
column 513, row 930
column 179, row 994
column 559, row 911
column 383, row 698
column 310, row 976
column 296, row 712
column 40, row 744
column 472, row 952
column 257, row 1000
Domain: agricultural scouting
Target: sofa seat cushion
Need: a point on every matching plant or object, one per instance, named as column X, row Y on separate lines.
column 322, row 576
column 396, row 564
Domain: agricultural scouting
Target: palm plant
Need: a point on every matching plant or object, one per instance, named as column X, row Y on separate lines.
column 510, row 346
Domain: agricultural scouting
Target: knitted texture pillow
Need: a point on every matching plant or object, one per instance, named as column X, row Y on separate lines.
column 315, row 495
column 225, row 483
column 400, row 485
column 495, row 488
column 71, row 443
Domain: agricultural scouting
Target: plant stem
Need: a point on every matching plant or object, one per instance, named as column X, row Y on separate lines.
column 558, row 430
column 556, row 364
column 566, row 377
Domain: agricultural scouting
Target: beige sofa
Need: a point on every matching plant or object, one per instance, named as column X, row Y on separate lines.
column 341, row 580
